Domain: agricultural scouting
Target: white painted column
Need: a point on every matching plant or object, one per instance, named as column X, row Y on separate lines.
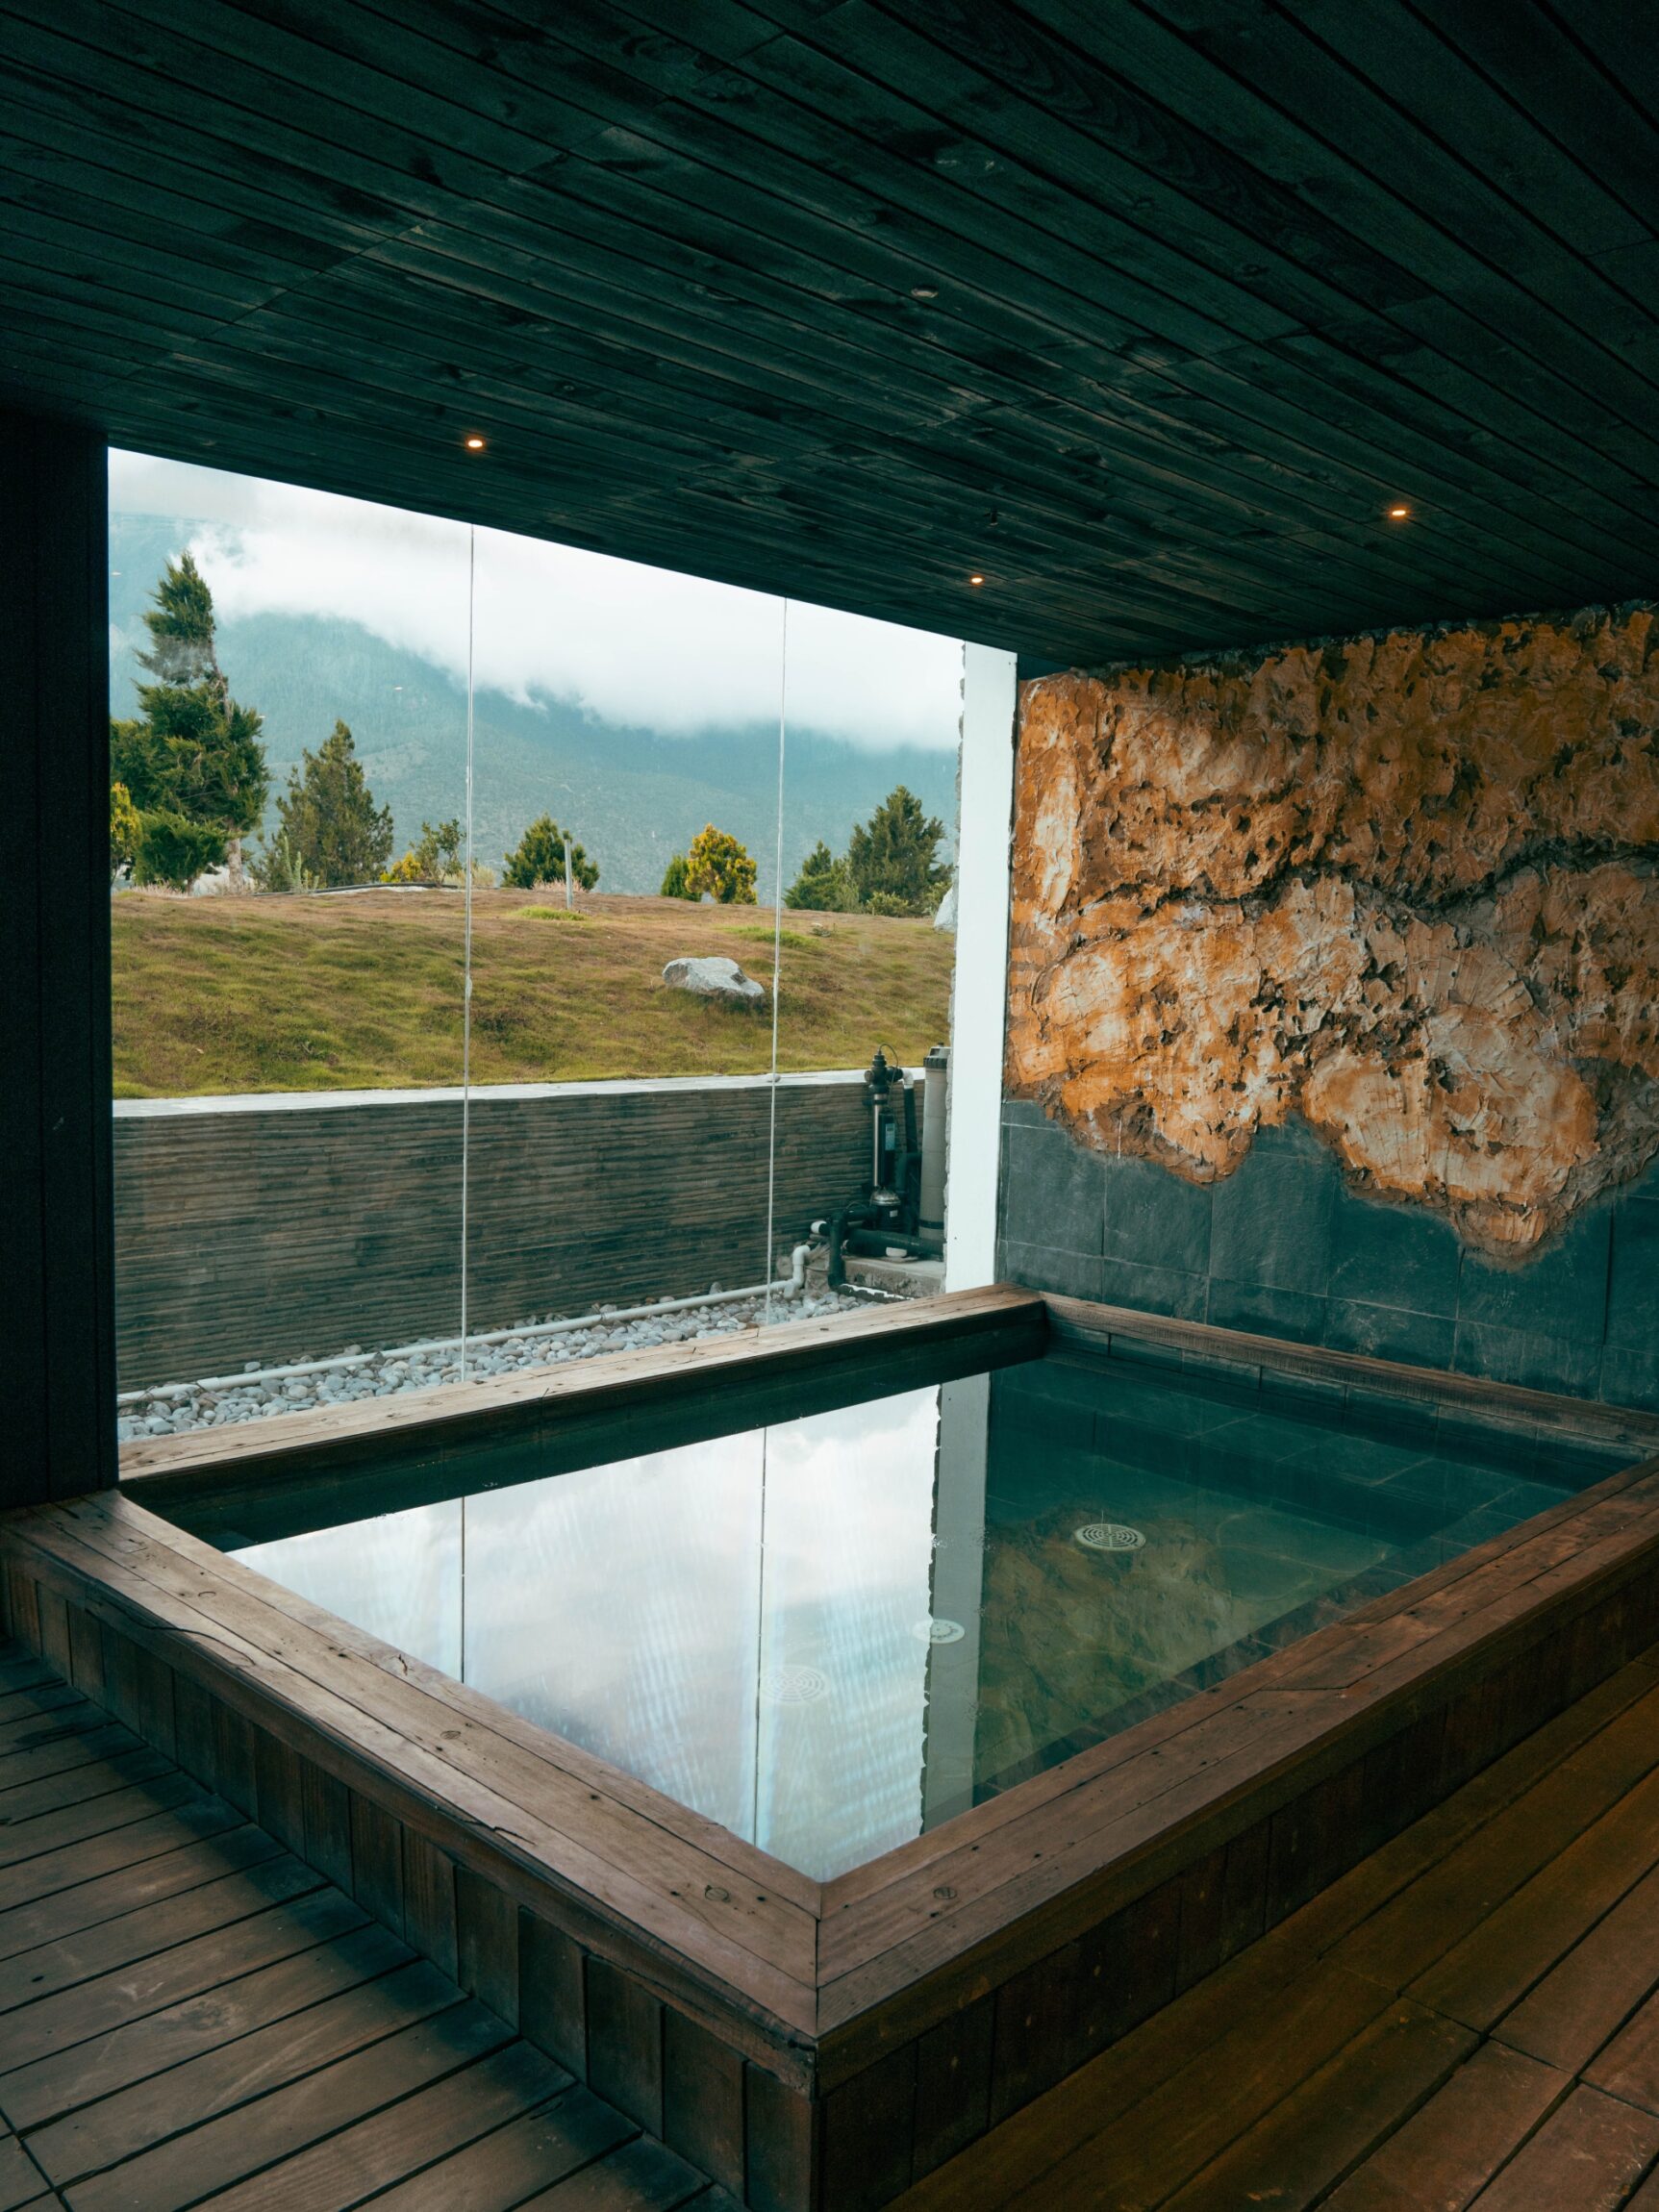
column 979, row 992
column 957, row 1593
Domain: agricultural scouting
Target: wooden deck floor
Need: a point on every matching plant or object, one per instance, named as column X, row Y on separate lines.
column 1469, row 2018
column 189, row 2015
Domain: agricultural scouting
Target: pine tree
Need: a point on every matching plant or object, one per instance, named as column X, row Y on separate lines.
column 539, row 858
column 823, row 884
column 675, row 883
column 195, row 753
column 891, row 856
column 331, row 827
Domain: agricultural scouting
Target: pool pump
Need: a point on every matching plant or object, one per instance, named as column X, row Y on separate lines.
column 902, row 1212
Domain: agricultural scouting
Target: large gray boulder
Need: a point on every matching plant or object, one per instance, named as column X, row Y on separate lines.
column 711, row 977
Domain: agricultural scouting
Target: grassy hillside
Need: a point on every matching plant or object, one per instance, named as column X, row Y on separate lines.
column 321, row 993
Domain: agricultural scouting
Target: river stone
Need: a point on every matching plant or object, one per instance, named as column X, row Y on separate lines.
column 711, row 977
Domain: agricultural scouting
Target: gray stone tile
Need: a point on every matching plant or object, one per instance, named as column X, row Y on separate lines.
column 1293, row 1140
column 1043, row 1268
column 1382, row 1413
column 1319, row 1395
column 1153, row 1218
column 1390, row 1333
column 1384, row 1255
column 1536, row 1362
column 1630, row 1376
column 1633, row 1283
column 1051, row 1191
column 1153, row 1290
column 1272, row 1220
column 1560, row 1292
column 1024, row 1113
column 1266, row 1311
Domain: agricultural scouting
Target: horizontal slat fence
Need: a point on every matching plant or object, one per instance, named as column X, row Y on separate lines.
column 281, row 1229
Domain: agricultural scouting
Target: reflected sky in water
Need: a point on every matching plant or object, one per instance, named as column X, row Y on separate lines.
column 733, row 1621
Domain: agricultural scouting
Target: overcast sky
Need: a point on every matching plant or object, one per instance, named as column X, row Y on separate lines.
column 635, row 646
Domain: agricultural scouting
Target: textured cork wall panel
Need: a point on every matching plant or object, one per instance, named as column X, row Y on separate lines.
column 1399, row 891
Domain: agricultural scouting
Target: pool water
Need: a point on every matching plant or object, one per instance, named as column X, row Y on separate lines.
column 835, row 1632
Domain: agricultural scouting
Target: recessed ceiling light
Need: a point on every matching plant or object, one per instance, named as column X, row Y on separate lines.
column 475, row 443
column 1398, row 514
column 924, row 291
column 977, row 579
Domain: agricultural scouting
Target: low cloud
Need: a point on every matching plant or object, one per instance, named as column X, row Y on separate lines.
column 634, row 646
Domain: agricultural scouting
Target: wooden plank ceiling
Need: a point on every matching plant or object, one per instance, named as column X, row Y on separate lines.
column 1145, row 309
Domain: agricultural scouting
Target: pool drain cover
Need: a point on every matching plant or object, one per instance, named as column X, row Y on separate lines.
column 794, row 1685
column 938, row 1631
column 1109, row 1536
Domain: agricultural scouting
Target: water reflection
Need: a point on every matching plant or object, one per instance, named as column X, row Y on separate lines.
column 734, row 1621
column 832, row 1633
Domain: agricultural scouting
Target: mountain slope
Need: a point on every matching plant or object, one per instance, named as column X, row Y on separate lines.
column 633, row 796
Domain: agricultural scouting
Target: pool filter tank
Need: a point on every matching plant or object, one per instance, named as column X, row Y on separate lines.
column 902, row 1214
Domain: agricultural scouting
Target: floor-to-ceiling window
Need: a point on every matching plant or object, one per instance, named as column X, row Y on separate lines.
column 500, row 934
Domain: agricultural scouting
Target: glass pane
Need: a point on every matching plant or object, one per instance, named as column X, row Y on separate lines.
column 288, row 685
column 625, row 731
column 867, row 949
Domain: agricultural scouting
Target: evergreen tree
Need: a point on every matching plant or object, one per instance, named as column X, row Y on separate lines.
column 332, row 830
column 675, row 881
column 539, row 858
column 891, row 856
column 719, row 865
column 195, row 753
column 823, row 884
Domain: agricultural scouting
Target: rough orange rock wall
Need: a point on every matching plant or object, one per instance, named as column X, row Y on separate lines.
column 1402, row 885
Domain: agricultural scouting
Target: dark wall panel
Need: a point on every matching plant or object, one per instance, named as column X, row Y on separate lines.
column 1283, row 1250
column 290, row 1229
column 56, row 1335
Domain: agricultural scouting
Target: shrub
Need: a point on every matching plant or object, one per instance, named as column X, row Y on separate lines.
column 435, row 858
column 173, row 850
column 676, row 880
column 280, row 868
column 719, row 865
column 125, row 829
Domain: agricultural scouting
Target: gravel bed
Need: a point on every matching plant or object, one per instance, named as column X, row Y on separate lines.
column 179, row 1407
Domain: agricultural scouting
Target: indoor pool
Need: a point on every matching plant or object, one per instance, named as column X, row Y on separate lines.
column 834, row 1632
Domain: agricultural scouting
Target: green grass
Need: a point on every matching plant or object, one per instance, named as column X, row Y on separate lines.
column 548, row 914
column 362, row 992
column 790, row 937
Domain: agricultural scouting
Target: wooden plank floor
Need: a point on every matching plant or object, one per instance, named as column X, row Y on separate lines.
column 1471, row 2018
column 189, row 2015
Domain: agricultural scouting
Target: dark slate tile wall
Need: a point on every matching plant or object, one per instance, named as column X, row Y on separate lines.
column 1282, row 1247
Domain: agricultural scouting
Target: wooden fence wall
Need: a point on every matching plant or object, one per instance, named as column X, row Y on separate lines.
column 282, row 1228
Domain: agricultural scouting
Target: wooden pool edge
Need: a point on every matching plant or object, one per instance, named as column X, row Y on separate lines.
column 829, row 2045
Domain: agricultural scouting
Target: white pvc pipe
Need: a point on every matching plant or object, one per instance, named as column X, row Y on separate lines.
column 790, row 1288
